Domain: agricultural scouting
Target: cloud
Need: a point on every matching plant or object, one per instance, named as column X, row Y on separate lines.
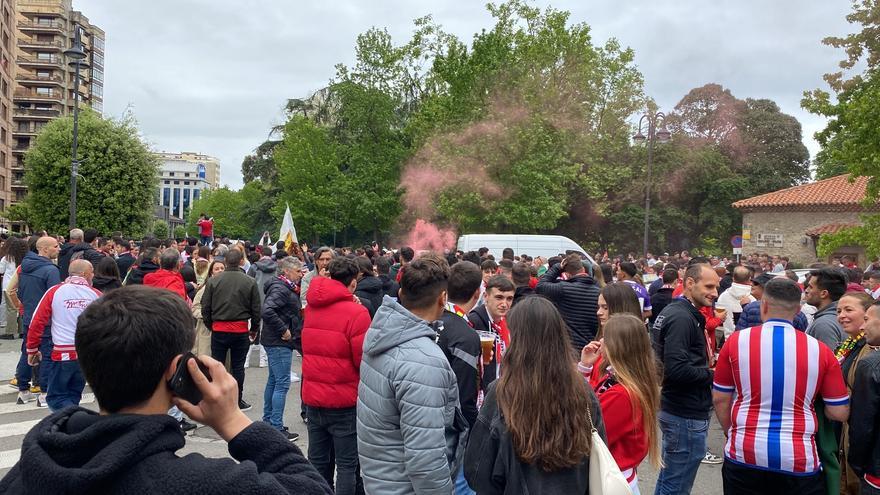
column 213, row 76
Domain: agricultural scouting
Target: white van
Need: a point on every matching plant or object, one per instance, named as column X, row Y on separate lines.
column 544, row 246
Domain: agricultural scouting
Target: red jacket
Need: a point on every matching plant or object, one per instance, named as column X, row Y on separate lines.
column 166, row 279
column 332, row 342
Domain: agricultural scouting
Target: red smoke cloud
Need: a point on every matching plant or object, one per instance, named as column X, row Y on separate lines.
column 425, row 236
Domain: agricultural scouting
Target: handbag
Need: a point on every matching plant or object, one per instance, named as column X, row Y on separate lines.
column 605, row 475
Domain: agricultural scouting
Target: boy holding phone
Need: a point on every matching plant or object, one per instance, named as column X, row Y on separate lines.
column 129, row 343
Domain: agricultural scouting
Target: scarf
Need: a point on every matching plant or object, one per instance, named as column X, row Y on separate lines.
column 846, row 348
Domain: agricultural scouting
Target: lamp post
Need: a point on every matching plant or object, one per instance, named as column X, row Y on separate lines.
column 649, row 122
column 76, row 56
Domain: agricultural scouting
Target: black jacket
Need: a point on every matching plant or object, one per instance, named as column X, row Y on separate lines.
column 370, row 288
column 461, row 345
column 281, row 309
column 660, row 300
column 231, row 296
column 390, row 286
column 68, row 251
column 491, row 466
column 577, row 299
column 864, row 417
column 124, row 262
column 680, row 343
column 105, row 284
column 521, row 292
column 479, row 317
column 76, row 451
column 136, row 277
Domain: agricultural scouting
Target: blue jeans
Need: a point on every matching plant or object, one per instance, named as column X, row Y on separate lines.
column 334, row 432
column 66, row 384
column 684, row 446
column 277, row 384
column 206, row 240
column 461, row 484
column 46, row 364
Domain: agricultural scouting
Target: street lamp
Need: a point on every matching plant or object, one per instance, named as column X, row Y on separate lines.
column 76, row 55
column 649, row 123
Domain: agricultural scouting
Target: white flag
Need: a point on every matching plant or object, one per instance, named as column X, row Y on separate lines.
column 288, row 231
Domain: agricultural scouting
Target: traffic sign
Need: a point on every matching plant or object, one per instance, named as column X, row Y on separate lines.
column 736, row 241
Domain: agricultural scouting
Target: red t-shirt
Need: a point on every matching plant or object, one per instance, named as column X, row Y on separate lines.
column 206, row 227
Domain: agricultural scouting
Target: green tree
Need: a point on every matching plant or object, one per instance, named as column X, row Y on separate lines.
column 160, row 229
column 227, row 208
column 180, row 232
column 118, row 176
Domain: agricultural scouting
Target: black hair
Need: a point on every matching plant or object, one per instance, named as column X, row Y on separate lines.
column 383, row 265
column 422, row 281
column 343, row 269
column 464, row 280
column 107, row 267
column 506, row 264
column 471, row 256
column 188, row 274
column 831, row 279
column 783, row 292
column 670, row 275
column 407, row 254
column 629, row 268
column 507, row 254
column 489, row 265
column 133, row 332
column 607, row 272
column 89, row 235
column 521, row 274
column 482, row 251
column 365, row 266
column 501, row 283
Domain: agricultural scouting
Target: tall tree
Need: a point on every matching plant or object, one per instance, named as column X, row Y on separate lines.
column 118, row 176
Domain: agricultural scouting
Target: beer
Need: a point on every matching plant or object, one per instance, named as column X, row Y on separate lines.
column 487, row 343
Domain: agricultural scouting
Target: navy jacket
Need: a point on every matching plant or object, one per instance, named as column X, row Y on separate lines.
column 38, row 273
column 751, row 317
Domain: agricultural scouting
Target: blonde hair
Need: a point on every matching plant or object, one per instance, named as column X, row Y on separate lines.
column 628, row 350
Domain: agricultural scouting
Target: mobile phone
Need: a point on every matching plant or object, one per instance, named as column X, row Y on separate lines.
column 182, row 384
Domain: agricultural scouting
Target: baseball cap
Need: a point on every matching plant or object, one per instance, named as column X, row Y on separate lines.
column 762, row 279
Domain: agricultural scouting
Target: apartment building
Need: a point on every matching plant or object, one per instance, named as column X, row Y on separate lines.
column 184, row 178
column 7, row 75
column 44, row 80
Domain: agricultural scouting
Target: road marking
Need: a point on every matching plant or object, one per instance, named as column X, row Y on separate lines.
column 12, row 407
column 8, row 458
column 20, row 428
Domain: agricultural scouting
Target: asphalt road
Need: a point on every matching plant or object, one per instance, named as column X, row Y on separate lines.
column 17, row 420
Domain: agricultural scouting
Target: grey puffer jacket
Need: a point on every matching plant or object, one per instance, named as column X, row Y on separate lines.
column 410, row 429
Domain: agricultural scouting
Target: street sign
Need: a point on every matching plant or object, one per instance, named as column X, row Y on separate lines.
column 738, row 251
column 736, row 241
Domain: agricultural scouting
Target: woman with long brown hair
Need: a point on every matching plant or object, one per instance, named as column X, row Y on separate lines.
column 533, row 433
column 629, row 393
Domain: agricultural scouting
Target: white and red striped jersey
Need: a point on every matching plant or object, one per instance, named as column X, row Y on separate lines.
column 61, row 305
column 775, row 373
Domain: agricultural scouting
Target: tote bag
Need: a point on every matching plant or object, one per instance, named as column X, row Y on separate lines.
column 605, row 475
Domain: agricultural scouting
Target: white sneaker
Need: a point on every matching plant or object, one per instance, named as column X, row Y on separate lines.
column 41, row 401
column 24, row 397
column 263, row 364
column 294, row 377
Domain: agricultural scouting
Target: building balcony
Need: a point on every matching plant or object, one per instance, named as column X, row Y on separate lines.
column 31, row 78
column 43, row 45
column 35, row 113
column 39, row 62
column 16, row 166
column 44, row 27
column 18, row 184
column 26, row 131
column 20, row 149
column 25, row 94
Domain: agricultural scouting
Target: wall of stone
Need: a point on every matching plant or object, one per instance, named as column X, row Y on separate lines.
column 791, row 225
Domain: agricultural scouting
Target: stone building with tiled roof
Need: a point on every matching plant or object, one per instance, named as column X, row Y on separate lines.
column 789, row 222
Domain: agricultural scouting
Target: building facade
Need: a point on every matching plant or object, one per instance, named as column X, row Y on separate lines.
column 791, row 221
column 184, row 178
column 7, row 78
column 44, row 82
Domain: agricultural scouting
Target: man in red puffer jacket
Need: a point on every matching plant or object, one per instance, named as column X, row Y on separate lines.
column 332, row 341
column 168, row 275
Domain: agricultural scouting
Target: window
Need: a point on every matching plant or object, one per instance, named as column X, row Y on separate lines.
column 2, row 182
column 186, row 183
column 97, row 74
column 166, row 195
column 2, row 158
column 171, row 174
column 177, row 182
column 98, row 59
column 44, row 73
column 98, row 43
column 186, row 174
column 5, row 111
column 97, row 106
column 176, row 200
column 44, row 56
column 44, row 91
column 22, row 127
column 97, row 90
column 44, row 21
column 186, row 199
column 43, row 106
column 196, row 194
column 167, row 182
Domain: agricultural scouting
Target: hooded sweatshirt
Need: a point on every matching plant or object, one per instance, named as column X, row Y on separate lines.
column 729, row 300
column 37, row 274
column 263, row 271
column 332, row 342
column 410, row 429
column 76, row 451
column 167, row 279
column 370, row 288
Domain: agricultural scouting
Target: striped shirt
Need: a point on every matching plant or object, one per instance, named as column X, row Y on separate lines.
column 775, row 373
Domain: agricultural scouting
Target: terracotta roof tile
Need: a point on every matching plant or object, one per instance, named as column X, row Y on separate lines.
column 829, row 228
column 836, row 193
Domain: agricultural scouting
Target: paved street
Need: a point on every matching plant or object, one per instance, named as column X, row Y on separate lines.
column 17, row 420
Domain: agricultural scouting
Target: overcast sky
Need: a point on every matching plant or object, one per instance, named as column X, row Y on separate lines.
column 211, row 76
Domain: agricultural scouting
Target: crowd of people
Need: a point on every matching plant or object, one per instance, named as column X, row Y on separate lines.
column 427, row 372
